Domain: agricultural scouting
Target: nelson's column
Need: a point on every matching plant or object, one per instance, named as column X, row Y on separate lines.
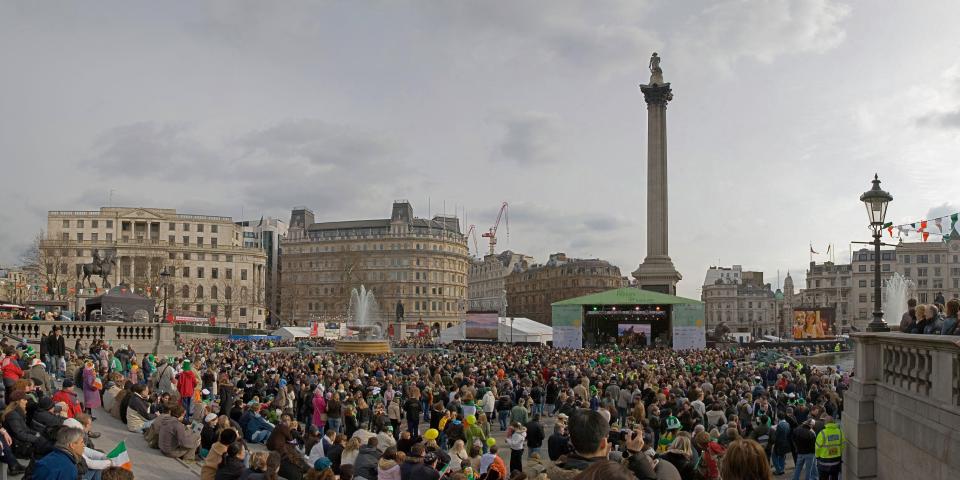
column 657, row 272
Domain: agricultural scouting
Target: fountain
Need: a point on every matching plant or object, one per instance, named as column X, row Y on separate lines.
column 895, row 289
column 364, row 325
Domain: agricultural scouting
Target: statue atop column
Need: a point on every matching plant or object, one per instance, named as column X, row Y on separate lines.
column 656, row 73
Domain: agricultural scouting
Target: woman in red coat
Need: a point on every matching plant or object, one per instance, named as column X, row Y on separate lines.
column 186, row 386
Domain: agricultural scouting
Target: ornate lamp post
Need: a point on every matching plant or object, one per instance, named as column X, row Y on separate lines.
column 164, row 275
column 876, row 201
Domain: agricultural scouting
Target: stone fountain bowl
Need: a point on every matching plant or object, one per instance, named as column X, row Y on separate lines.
column 367, row 340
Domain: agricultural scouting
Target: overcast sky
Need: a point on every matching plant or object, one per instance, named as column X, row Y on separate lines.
column 782, row 112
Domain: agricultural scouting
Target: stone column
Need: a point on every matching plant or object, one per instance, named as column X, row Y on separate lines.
column 657, row 272
column 859, row 423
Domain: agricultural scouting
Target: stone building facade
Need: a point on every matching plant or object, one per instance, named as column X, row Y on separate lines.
column 745, row 307
column 265, row 234
column 420, row 263
column 486, row 280
column 211, row 273
column 829, row 285
column 531, row 288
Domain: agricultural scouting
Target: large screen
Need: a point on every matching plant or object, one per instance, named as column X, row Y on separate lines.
column 630, row 334
column 814, row 323
column 482, row 325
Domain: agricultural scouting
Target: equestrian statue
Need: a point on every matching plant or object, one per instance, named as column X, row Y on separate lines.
column 102, row 267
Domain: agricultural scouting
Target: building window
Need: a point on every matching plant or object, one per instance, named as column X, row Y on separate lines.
column 171, row 239
column 862, row 268
column 213, row 228
column 95, row 223
column 186, row 227
column 79, row 223
column 185, row 291
column 200, row 227
column 214, row 273
column 109, row 223
column 228, row 293
column 243, row 311
column 213, row 242
column 172, row 227
column 922, row 258
column 886, row 267
column 66, row 224
column 863, row 298
column 79, row 236
column 863, row 283
column 94, row 237
column 199, row 291
column 199, row 240
column 186, row 272
column 186, row 255
column 228, row 274
column 213, row 292
column 922, row 272
column 243, row 274
column 109, row 237
column 923, row 297
column 906, row 259
column 186, row 240
column 906, row 272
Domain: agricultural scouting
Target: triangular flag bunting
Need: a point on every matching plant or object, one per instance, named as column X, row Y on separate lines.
column 119, row 454
column 925, row 235
column 939, row 225
column 890, row 230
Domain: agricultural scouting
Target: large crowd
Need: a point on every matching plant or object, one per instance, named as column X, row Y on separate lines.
column 253, row 409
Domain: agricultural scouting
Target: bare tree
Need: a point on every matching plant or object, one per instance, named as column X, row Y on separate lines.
column 48, row 264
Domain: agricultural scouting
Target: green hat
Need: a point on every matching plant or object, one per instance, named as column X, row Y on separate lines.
column 186, row 365
column 152, row 358
column 673, row 423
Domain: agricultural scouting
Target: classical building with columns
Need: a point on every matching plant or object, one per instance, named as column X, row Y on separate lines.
column 211, row 273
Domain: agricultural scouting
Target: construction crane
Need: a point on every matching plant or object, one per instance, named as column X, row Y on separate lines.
column 492, row 233
column 472, row 233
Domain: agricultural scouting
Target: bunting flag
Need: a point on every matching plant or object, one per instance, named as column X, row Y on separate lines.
column 925, row 235
column 890, row 230
column 938, row 224
column 923, row 224
column 813, row 251
column 828, row 249
column 920, row 227
column 120, row 456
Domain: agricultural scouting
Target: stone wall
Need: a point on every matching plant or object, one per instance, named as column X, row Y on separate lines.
column 902, row 412
column 143, row 337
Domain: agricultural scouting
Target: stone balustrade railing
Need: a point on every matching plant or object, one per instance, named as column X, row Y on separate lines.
column 144, row 337
column 902, row 412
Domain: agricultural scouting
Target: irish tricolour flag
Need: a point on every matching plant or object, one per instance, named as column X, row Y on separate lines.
column 120, row 455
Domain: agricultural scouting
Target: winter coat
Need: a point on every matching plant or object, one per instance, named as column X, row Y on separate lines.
column 387, row 470
column 110, row 396
column 56, row 346
column 782, row 441
column 137, row 413
column 91, row 396
column 366, row 463
column 73, row 407
column 319, row 410
column 209, row 469
column 683, row 464
column 46, row 381
column 535, row 435
column 558, row 445
column 56, row 465
column 186, row 383
column 173, row 434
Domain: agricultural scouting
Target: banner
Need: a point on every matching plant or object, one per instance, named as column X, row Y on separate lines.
column 689, row 331
column 482, row 325
column 814, row 323
column 567, row 322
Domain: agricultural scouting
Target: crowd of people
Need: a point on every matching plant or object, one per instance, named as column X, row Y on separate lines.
column 933, row 319
column 247, row 409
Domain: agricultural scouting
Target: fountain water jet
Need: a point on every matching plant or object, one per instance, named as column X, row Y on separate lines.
column 895, row 289
column 365, row 325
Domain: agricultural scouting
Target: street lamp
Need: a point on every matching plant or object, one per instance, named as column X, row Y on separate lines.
column 164, row 275
column 876, row 201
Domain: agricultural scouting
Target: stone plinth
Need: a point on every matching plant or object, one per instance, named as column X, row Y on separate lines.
column 902, row 410
column 372, row 347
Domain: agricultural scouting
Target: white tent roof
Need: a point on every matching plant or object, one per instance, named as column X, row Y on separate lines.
column 292, row 332
column 524, row 331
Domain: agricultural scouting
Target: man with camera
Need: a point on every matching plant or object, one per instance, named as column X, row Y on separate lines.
column 589, row 437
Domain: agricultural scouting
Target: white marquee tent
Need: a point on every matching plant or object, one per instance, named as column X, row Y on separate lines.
column 509, row 330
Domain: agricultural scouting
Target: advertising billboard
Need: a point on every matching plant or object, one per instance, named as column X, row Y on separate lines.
column 814, row 323
column 482, row 325
column 567, row 326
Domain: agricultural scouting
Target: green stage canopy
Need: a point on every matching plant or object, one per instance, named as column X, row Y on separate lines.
column 628, row 296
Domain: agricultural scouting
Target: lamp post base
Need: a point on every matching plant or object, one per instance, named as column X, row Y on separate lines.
column 878, row 325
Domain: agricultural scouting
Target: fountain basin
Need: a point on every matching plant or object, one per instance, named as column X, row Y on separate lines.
column 370, row 347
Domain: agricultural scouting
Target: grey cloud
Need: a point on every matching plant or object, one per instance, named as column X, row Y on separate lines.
column 941, row 119
column 529, row 138
column 320, row 143
column 154, row 149
column 731, row 30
